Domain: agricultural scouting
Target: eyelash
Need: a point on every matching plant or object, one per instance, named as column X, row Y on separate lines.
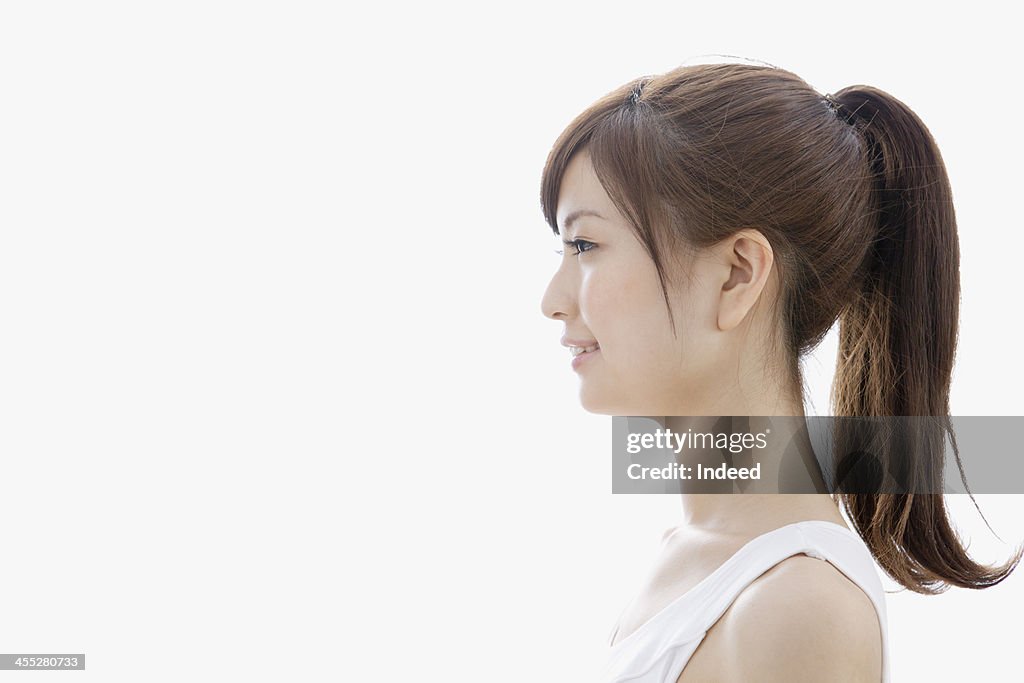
column 577, row 244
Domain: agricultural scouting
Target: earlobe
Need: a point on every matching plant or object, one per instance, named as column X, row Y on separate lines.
column 749, row 257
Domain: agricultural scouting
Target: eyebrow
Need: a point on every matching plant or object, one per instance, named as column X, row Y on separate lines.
column 579, row 213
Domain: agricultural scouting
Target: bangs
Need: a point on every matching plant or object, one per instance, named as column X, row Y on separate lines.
column 606, row 131
column 632, row 154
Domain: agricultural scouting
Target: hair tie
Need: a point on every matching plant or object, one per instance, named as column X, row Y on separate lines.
column 837, row 108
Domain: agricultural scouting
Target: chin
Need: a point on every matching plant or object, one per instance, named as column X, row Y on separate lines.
column 616, row 401
column 604, row 402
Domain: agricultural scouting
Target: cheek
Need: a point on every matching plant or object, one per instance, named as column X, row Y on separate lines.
column 626, row 314
column 605, row 302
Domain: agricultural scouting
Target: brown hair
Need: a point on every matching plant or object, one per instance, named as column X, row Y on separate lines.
column 852, row 194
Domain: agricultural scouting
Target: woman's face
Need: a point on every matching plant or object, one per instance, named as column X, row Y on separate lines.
column 607, row 293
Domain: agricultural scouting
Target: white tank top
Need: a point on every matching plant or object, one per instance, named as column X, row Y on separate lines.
column 658, row 651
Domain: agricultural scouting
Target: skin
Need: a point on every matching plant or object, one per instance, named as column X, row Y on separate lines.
column 606, row 290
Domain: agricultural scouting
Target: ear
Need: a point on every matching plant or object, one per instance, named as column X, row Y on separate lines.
column 749, row 257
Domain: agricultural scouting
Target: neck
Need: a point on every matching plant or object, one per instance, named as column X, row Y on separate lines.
column 753, row 514
column 750, row 507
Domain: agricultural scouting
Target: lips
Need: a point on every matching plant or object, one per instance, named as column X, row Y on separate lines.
column 580, row 349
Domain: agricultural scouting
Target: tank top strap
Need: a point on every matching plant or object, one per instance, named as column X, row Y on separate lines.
column 658, row 650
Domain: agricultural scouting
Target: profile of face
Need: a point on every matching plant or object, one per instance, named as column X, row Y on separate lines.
column 607, row 293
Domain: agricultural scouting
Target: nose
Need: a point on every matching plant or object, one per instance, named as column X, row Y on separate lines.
column 559, row 302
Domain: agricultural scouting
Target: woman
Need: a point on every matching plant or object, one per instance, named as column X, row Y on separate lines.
column 717, row 220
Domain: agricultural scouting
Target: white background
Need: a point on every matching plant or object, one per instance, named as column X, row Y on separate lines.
column 277, row 400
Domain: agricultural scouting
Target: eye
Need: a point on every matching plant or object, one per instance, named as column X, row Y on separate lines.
column 579, row 245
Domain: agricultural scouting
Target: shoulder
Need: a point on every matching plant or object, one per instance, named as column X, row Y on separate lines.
column 803, row 620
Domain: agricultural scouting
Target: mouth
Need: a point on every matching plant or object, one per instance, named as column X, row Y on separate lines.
column 582, row 354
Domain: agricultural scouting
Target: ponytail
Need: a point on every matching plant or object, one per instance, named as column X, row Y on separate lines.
column 897, row 341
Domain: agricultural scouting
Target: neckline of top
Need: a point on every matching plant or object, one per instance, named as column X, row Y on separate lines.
column 722, row 567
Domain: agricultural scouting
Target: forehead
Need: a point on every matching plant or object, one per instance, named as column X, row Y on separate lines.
column 581, row 193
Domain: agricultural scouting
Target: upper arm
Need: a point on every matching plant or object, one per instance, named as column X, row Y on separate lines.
column 802, row 621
